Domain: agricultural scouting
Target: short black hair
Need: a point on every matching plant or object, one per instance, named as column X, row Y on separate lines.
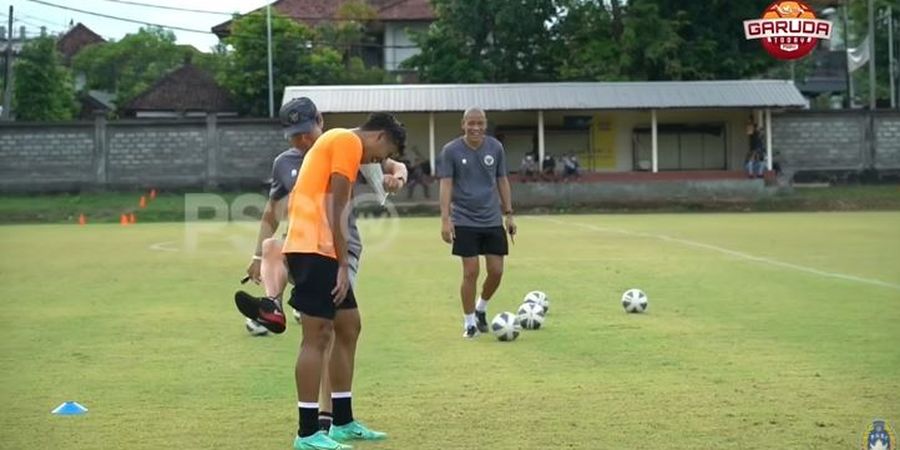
column 382, row 121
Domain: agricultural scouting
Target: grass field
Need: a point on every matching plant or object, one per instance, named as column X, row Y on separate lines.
column 765, row 331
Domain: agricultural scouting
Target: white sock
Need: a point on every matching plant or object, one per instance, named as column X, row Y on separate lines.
column 470, row 320
column 481, row 306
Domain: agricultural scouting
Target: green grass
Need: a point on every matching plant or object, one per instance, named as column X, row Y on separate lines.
column 106, row 207
column 732, row 354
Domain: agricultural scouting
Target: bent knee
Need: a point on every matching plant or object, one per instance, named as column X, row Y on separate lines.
column 272, row 246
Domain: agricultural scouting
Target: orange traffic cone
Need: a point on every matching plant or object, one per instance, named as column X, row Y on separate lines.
column 81, row 219
column 143, row 202
column 132, row 219
column 152, row 194
column 123, row 220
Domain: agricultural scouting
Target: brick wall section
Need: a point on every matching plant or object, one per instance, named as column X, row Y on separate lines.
column 246, row 151
column 33, row 154
column 191, row 154
column 169, row 154
column 819, row 141
column 887, row 141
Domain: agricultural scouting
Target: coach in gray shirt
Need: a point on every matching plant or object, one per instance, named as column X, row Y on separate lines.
column 475, row 195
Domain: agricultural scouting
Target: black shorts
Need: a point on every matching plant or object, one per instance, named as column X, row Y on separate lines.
column 474, row 241
column 314, row 276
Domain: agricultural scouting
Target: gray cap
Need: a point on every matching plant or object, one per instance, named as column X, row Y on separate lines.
column 298, row 116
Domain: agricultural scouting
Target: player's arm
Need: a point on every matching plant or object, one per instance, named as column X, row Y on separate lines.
column 396, row 175
column 338, row 202
column 505, row 192
column 506, row 204
column 446, row 188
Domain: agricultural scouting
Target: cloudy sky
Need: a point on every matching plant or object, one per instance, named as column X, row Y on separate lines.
column 33, row 15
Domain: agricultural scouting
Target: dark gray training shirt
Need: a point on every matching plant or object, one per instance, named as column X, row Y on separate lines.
column 284, row 175
column 475, row 201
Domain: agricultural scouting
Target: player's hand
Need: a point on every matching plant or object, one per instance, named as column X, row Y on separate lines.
column 253, row 270
column 341, row 285
column 392, row 184
column 447, row 233
column 511, row 228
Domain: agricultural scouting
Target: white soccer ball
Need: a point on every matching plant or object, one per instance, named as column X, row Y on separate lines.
column 634, row 301
column 530, row 316
column 254, row 328
column 296, row 315
column 539, row 298
column 504, row 327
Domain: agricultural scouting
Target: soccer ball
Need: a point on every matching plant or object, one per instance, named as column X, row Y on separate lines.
column 504, row 327
column 296, row 315
column 634, row 301
column 254, row 328
column 530, row 316
column 539, row 298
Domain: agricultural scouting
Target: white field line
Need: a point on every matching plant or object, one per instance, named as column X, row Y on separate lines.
column 737, row 254
column 165, row 246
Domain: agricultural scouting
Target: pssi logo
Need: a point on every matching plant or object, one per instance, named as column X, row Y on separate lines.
column 788, row 30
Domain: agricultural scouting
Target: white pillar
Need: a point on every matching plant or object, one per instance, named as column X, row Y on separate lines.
column 431, row 141
column 654, row 140
column 541, row 140
column 768, row 139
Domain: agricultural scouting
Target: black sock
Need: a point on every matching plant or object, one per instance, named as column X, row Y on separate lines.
column 325, row 419
column 343, row 411
column 309, row 424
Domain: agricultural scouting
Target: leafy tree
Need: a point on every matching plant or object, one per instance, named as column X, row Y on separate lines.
column 43, row 86
column 859, row 28
column 487, row 41
column 297, row 60
column 130, row 66
column 348, row 36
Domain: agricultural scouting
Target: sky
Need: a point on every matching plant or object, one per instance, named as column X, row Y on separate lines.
column 33, row 15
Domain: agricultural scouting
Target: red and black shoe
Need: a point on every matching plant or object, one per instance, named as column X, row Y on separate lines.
column 265, row 310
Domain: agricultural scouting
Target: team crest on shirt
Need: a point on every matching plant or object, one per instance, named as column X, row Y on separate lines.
column 489, row 160
column 294, row 173
column 464, row 160
column 879, row 436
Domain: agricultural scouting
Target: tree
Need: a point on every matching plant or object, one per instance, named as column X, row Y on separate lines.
column 712, row 44
column 130, row 66
column 347, row 34
column 859, row 28
column 297, row 60
column 487, row 41
column 589, row 44
column 43, row 86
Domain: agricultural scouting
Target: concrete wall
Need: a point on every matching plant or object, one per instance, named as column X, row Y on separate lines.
column 231, row 153
column 837, row 140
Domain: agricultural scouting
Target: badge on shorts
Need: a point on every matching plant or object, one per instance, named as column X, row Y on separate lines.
column 489, row 160
column 294, row 173
column 879, row 436
column 464, row 160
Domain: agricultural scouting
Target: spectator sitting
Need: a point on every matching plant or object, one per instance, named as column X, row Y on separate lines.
column 549, row 170
column 528, row 170
column 570, row 166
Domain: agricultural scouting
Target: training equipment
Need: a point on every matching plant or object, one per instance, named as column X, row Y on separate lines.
column 634, row 301
column 540, row 298
column 530, row 316
column 296, row 314
column 504, row 327
column 254, row 328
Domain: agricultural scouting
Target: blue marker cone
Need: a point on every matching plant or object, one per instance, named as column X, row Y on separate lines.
column 69, row 409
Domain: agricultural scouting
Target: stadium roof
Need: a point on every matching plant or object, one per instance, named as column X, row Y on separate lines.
column 553, row 96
